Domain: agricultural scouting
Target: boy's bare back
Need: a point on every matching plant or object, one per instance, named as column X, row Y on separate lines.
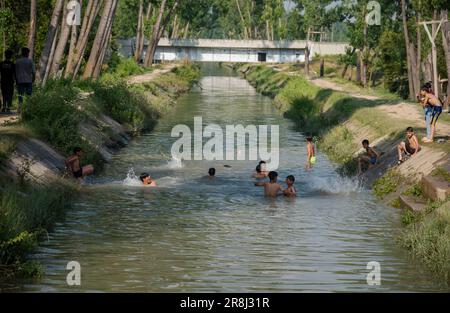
column 272, row 189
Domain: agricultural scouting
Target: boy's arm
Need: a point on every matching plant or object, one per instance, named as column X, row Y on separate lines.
column 417, row 145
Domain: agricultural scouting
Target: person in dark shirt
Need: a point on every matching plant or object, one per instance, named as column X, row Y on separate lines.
column 7, row 74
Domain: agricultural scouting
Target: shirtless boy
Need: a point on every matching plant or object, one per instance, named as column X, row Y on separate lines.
column 73, row 164
column 370, row 158
column 410, row 146
column 434, row 106
column 290, row 190
column 272, row 188
column 311, row 151
column 147, row 180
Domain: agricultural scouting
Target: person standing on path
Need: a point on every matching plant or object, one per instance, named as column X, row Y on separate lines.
column 25, row 75
column 7, row 73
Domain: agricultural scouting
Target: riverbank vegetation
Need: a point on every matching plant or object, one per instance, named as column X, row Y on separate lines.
column 341, row 122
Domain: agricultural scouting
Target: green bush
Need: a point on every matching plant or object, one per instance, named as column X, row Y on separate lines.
column 387, row 183
column 26, row 213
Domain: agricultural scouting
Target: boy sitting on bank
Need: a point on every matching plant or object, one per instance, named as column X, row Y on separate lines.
column 74, row 165
column 370, row 158
column 410, row 146
column 272, row 188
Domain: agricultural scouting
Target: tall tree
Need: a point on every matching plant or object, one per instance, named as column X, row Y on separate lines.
column 32, row 33
column 49, row 40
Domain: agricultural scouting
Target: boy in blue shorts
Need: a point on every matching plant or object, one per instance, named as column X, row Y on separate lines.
column 370, row 158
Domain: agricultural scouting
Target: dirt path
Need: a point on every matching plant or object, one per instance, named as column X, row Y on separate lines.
column 6, row 119
column 139, row 79
column 401, row 110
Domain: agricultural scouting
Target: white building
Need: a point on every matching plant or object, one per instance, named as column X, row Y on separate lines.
column 215, row 50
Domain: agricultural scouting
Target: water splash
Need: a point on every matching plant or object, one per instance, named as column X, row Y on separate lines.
column 131, row 179
column 174, row 163
column 336, row 185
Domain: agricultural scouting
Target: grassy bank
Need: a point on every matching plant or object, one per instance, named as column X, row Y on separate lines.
column 55, row 114
column 341, row 122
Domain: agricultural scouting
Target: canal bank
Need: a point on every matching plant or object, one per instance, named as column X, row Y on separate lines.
column 191, row 234
column 99, row 116
column 341, row 121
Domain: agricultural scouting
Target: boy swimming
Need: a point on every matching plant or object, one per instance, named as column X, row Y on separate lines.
column 147, row 180
column 290, row 190
column 371, row 157
column 311, row 151
column 272, row 188
column 212, row 173
column 74, row 165
column 410, row 146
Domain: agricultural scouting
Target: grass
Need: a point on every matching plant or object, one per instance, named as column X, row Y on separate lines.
column 387, row 183
column 441, row 172
column 26, row 214
column 427, row 238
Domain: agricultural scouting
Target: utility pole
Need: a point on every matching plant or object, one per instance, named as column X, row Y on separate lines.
column 307, row 51
column 432, row 37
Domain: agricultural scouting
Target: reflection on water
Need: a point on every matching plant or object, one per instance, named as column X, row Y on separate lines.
column 194, row 234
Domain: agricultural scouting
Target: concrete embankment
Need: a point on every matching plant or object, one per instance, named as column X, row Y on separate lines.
column 101, row 127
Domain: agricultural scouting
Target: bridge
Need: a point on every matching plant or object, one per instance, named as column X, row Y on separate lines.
column 220, row 50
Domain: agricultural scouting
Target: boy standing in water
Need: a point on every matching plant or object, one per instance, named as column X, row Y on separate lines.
column 147, row 180
column 272, row 188
column 371, row 157
column 290, row 191
column 74, row 165
column 261, row 170
column 410, row 146
column 311, row 151
column 212, row 173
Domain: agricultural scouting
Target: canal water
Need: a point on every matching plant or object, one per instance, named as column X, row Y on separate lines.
column 191, row 234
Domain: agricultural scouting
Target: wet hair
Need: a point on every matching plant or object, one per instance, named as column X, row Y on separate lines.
column 143, row 176
column 262, row 162
column 273, row 175
column 365, row 142
column 25, row 52
column 212, row 171
column 309, row 139
column 258, row 168
column 9, row 54
column 410, row 129
column 291, row 178
column 77, row 149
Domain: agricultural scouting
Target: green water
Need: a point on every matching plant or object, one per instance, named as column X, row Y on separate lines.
column 193, row 235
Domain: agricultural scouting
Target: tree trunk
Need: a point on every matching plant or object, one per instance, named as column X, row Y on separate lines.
column 153, row 40
column 446, row 46
column 364, row 55
column 50, row 58
column 83, row 38
column 427, row 69
column 358, row 67
column 246, row 36
column 344, row 70
column 307, row 53
column 61, row 46
column 186, row 30
column 99, row 38
column 408, row 52
column 49, row 40
column 105, row 41
column 139, row 32
column 32, row 34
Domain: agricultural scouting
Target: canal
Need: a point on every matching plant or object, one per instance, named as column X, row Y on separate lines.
column 192, row 234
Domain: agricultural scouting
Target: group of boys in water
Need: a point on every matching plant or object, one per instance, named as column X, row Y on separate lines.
column 432, row 107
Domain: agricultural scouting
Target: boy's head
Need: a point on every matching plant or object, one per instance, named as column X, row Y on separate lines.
column 309, row 139
column 25, row 52
column 273, row 176
column 77, row 151
column 409, row 131
column 258, row 168
column 290, row 180
column 262, row 166
column 145, row 178
column 212, row 171
column 365, row 143
column 8, row 54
